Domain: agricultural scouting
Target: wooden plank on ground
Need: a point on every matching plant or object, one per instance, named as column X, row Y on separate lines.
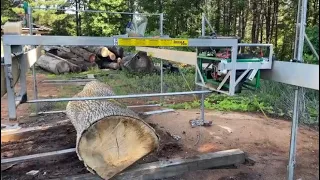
column 174, row 167
column 35, row 156
column 25, row 132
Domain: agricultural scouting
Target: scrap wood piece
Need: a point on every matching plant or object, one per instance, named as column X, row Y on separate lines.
column 110, row 137
column 174, row 167
column 199, row 122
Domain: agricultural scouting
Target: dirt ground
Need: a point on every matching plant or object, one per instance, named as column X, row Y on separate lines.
column 266, row 140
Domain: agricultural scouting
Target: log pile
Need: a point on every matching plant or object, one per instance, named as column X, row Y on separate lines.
column 110, row 137
column 58, row 59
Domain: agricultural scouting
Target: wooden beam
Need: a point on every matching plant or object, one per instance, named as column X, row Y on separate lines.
column 171, row 55
column 35, row 156
column 174, row 167
column 25, row 132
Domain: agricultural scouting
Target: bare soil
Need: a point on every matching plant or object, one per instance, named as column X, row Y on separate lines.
column 266, row 140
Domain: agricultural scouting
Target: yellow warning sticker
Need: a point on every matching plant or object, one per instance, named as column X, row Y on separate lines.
column 152, row 42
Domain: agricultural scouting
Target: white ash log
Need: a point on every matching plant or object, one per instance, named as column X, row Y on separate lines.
column 110, row 137
column 73, row 67
column 53, row 65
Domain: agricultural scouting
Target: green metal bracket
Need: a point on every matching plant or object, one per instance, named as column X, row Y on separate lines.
column 25, row 7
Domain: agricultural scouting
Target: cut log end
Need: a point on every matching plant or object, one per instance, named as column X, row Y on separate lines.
column 92, row 58
column 105, row 52
column 114, row 143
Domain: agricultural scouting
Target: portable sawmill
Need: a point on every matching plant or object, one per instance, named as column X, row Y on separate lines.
column 212, row 62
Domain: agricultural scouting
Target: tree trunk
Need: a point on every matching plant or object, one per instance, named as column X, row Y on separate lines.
column 118, row 51
column 73, row 67
column 268, row 21
column 218, row 17
column 53, row 65
column 86, row 55
column 110, row 65
column 110, row 137
column 84, row 65
column 139, row 62
column 101, row 51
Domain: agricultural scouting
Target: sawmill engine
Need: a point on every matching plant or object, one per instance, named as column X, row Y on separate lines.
column 213, row 60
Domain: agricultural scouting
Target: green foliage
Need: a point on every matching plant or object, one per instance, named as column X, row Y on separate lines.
column 7, row 14
column 103, row 24
column 313, row 35
column 228, row 103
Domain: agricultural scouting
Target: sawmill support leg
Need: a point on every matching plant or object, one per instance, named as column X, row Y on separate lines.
column 9, row 82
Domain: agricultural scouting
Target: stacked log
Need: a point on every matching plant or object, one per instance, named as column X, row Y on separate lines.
column 53, row 65
column 82, row 58
column 86, row 55
column 110, row 137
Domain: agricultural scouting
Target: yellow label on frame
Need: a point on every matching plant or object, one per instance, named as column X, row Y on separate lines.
column 152, row 42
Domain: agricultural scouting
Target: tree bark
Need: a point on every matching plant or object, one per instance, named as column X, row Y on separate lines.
column 110, row 65
column 86, row 55
column 73, row 67
column 110, row 137
column 139, row 62
column 84, row 65
column 53, row 65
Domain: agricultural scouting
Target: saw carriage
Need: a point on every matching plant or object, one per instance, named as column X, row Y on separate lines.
column 215, row 65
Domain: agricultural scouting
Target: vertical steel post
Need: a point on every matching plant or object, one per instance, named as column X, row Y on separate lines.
column 297, row 30
column 161, row 24
column 202, row 107
column 295, row 119
column 9, row 82
column 203, row 25
column 161, row 80
column 232, row 81
column 35, row 88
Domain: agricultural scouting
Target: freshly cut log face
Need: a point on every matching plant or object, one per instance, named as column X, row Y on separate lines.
column 110, row 137
column 101, row 51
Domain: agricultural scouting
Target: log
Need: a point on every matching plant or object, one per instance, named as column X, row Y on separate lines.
column 60, row 51
column 101, row 51
column 139, row 62
column 118, row 51
column 110, row 137
column 110, row 65
column 53, row 65
column 84, row 65
column 86, row 55
column 73, row 67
